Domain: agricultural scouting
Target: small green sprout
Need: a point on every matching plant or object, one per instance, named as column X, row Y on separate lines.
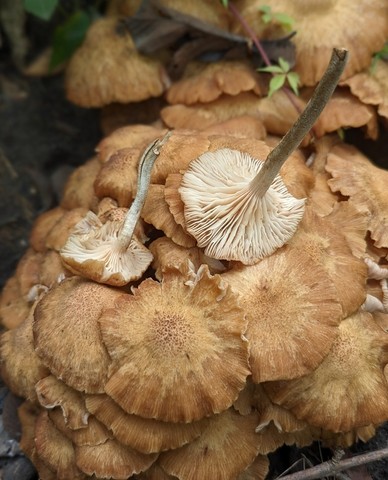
column 268, row 16
column 281, row 73
column 381, row 54
column 42, row 9
column 225, row 3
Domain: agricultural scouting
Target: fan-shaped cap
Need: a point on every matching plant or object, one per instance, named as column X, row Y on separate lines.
column 371, row 86
column 227, row 217
column 326, row 24
column 348, row 389
column 66, row 333
column 93, row 433
column 292, row 310
column 21, row 367
column 112, row 460
column 14, row 307
column 157, row 213
column 322, row 240
column 225, row 449
column 107, row 69
column 366, row 185
column 258, row 470
column 177, row 350
column 79, row 189
column 94, row 251
column 54, row 449
column 143, row 434
column 52, row 392
column 205, row 82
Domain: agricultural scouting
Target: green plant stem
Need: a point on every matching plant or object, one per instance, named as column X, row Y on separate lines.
column 301, row 127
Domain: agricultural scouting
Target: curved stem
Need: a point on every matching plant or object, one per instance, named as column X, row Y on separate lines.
column 146, row 163
column 302, row 126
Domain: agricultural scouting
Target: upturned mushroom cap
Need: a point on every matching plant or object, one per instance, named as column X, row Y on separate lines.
column 66, row 333
column 348, row 389
column 324, row 24
column 293, row 313
column 94, row 251
column 366, row 185
column 225, row 449
column 142, row 434
column 258, row 470
column 107, row 69
column 179, row 345
column 112, row 460
column 226, row 216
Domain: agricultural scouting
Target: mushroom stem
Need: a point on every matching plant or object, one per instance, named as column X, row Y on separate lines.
column 146, row 163
column 303, row 125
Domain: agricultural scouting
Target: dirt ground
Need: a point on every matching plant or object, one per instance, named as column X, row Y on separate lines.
column 42, row 139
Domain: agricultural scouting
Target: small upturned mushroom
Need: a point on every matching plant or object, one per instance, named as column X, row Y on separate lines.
column 110, row 253
column 178, row 343
column 237, row 207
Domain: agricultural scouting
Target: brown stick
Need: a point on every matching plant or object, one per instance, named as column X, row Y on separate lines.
column 331, row 467
column 301, row 127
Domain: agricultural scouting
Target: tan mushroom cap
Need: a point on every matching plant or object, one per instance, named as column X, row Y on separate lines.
column 93, row 433
column 52, row 392
column 241, row 126
column 326, row 24
column 28, row 412
column 130, row 136
column 155, row 472
column 21, row 367
column 66, row 333
column 156, row 212
column 348, row 389
column 169, row 257
column 79, row 189
column 225, row 449
column 142, row 434
column 14, row 307
column 94, row 251
column 209, row 12
column 178, row 343
column 292, row 310
column 371, row 86
column 54, row 449
column 112, row 460
column 108, row 71
column 43, row 226
column 205, row 82
column 258, row 470
column 122, row 164
column 366, row 185
column 224, row 214
column 323, row 241
column 347, row 439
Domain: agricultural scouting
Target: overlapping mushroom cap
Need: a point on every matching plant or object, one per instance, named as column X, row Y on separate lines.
column 178, row 344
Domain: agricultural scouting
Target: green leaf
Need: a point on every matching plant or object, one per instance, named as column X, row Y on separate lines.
column 276, row 83
column 341, row 134
column 271, row 69
column 284, row 19
column 265, row 9
column 225, row 3
column 40, row 8
column 293, row 81
column 69, row 36
column 266, row 17
column 284, row 65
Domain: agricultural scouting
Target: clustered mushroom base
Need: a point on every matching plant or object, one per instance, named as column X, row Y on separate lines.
column 200, row 366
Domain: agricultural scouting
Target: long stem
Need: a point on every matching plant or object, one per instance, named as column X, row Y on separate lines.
column 301, row 127
column 146, row 163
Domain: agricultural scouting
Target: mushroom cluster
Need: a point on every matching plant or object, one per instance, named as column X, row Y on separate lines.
column 196, row 300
